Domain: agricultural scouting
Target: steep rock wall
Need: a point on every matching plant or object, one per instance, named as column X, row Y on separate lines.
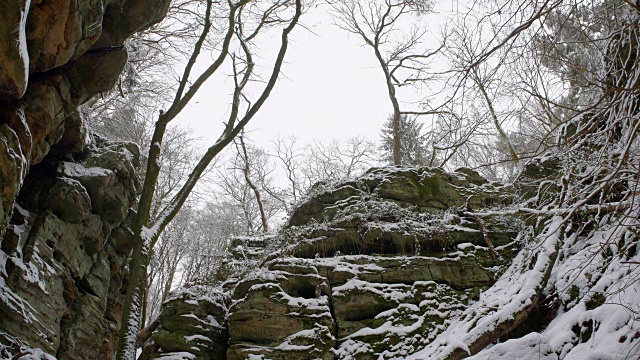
column 65, row 196
column 54, row 56
column 63, row 259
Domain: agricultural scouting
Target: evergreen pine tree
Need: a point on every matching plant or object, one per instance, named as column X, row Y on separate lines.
column 413, row 142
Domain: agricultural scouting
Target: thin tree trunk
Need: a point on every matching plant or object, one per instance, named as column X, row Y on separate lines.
column 145, row 234
column 485, row 236
column 391, row 91
column 171, row 275
column 167, row 287
column 256, row 192
column 494, row 117
column 133, row 301
column 145, row 300
column 397, row 152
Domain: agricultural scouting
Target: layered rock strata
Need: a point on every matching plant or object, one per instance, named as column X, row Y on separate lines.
column 366, row 269
column 64, row 197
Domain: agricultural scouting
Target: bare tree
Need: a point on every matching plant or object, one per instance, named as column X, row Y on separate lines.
column 290, row 157
column 590, row 129
column 480, row 119
column 170, row 251
column 335, row 160
column 246, row 170
column 245, row 21
column 401, row 59
column 481, row 82
column 126, row 113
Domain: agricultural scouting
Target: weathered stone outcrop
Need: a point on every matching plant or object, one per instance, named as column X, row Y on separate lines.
column 31, row 125
column 191, row 320
column 62, row 273
column 54, row 56
column 366, row 269
column 398, row 211
column 61, row 30
column 65, row 239
column 123, row 18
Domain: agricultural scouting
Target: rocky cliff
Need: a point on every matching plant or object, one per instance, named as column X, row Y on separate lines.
column 421, row 264
column 65, row 195
column 54, row 56
column 370, row 268
column 64, row 255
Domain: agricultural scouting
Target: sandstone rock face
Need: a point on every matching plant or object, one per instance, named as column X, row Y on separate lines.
column 14, row 60
column 54, row 56
column 62, row 276
column 192, row 320
column 65, row 240
column 125, row 17
column 32, row 125
column 372, row 268
column 61, row 30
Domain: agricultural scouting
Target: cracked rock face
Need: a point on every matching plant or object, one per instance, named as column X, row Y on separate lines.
column 372, row 268
column 63, row 222
column 55, row 55
column 62, row 274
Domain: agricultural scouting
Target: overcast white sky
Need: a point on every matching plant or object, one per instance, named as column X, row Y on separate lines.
column 330, row 88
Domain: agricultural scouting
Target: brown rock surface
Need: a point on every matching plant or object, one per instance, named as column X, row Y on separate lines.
column 51, row 39
column 125, row 17
column 33, row 124
column 62, row 30
column 64, row 244
column 14, row 62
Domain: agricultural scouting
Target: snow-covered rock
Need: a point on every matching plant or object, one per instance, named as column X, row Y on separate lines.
column 374, row 267
column 61, row 273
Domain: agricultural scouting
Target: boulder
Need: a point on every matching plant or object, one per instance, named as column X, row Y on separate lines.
column 64, row 239
column 422, row 189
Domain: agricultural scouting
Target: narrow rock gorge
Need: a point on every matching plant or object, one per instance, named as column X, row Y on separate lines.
column 399, row 262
